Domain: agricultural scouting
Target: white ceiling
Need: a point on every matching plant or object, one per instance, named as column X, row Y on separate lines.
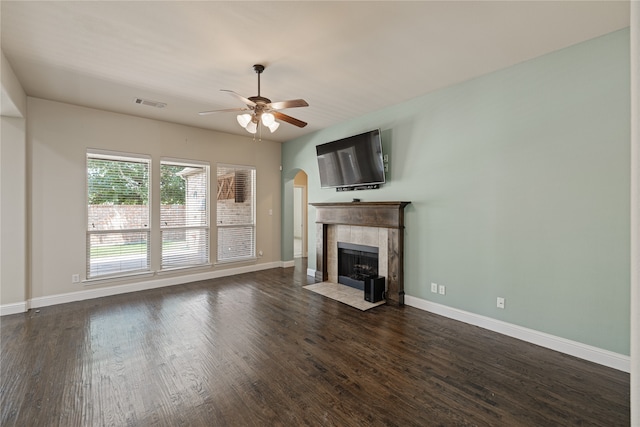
column 344, row 58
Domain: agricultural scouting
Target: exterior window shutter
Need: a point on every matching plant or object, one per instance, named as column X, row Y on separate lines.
column 240, row 185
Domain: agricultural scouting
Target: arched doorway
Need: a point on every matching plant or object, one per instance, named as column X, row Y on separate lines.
column 300, row 215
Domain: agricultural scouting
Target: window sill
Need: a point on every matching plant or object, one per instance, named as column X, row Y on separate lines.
column 178, row 269
column 95, row 280
column 236, row 261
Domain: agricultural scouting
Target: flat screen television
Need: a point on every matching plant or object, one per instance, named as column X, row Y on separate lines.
column 352, row 163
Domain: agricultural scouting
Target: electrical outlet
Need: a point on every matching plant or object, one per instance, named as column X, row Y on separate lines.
column 75, row 278
column 434, row 288
column 500, row 302
column 260, row 253
column 441, row 289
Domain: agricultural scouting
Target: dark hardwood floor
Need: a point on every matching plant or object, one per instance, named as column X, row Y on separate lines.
column 259, row 350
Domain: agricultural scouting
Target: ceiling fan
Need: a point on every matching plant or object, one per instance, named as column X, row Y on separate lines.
column 263, row 111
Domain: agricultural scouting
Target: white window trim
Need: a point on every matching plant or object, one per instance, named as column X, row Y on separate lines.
column 117, row 155
column 184, row 162
column 117, row 277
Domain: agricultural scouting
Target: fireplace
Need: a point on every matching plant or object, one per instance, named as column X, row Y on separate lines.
column 356, row 263
column 378, row 224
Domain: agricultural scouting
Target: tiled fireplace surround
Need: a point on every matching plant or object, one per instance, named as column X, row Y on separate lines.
column 379, row 224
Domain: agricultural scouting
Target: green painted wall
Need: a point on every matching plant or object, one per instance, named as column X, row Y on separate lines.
column 519, row 183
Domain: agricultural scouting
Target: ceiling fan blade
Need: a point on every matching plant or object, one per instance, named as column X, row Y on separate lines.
column 227, row 110
column 288, row 104
column 278, row 115
column 247, row 101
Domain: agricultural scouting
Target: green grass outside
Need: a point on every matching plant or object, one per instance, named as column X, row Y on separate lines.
column 118, row 250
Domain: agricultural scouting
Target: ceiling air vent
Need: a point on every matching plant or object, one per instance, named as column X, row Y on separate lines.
column 149, row 103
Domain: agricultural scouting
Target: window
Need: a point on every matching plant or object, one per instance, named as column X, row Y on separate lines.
column 184, row 214
column 236, row 212
column 117, row 214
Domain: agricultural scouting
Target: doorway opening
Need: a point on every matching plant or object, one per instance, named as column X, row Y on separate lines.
column 300, row 215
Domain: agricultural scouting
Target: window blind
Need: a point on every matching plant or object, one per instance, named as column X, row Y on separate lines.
column 118, row 214
column 184, row 214
column 235, row 209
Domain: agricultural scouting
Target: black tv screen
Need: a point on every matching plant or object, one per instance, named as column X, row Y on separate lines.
column 351, row 162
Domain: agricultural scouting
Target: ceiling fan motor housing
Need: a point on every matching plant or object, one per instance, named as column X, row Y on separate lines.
column 260, row 100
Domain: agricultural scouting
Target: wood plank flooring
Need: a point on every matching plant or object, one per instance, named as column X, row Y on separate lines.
column 259, row 350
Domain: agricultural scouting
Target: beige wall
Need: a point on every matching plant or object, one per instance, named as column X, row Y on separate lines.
column 635, row 213
column 13, row 187
column 13, row 99
column 13, row 211
column 58, row 136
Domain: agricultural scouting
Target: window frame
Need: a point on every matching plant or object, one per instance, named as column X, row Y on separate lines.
column 251, row 225
column 207, row 226
column 122, row 157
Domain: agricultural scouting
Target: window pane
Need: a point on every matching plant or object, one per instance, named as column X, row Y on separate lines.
column 118, row 194
column 117, row 214
column 235, row 243
column 235, row 209
column 184, row 216
column 235, row 196
column 185, row 247
column 111, row 253
column 183, row 194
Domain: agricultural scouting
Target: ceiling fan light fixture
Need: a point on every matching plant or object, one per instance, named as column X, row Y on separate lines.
column 252, row 127
column 273, row 126
column 268, row 119
column 244, row 119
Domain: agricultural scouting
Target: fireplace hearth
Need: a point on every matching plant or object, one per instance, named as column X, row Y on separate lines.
column 356, row 263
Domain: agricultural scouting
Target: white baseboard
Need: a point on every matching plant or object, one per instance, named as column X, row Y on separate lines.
column 287, row 264
column 15, row 308
column 130, row 287
column 573, row 348
column 311, row 272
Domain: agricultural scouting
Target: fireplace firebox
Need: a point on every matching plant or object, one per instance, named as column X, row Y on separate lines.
column 356, row 263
